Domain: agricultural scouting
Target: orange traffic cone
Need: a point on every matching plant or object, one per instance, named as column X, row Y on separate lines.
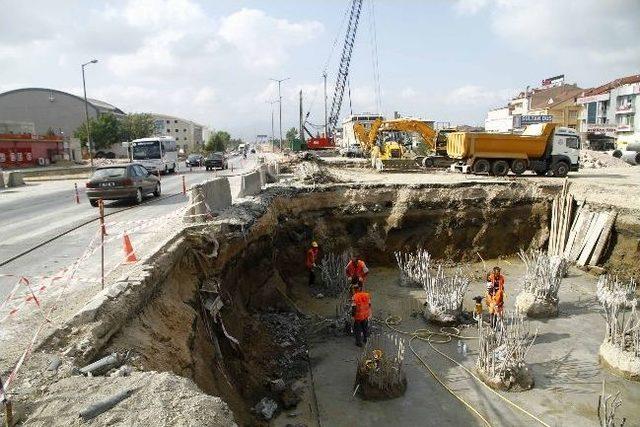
column 129, row 254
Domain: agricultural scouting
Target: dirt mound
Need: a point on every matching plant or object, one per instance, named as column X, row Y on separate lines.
column 313, row 173
column 590, row 159
column 158, row 399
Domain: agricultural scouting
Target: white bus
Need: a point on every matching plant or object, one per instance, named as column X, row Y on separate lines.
column 155, row 154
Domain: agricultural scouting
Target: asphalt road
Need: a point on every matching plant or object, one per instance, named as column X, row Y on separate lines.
column 40, row 211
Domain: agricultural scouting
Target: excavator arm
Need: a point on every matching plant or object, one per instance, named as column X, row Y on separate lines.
column 415, row 126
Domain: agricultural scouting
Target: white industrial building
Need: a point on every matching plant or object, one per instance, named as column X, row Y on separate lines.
column 189, row 135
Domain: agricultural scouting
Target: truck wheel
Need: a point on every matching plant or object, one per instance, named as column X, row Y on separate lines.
column 481, row 166
column 427, row 162
column 518, row 166
column 500, row 168
column 560, row 169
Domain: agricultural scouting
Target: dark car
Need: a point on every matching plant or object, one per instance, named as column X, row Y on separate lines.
column 194, row 160
column 117, row 182
column 216, row 161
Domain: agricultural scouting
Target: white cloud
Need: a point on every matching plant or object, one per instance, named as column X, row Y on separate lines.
column 408, row 93
column 262, row 40
column 473, row 95
column 470, row 6
column 591, row 37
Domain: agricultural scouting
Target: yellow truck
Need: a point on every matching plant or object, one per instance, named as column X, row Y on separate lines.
column 543, row 148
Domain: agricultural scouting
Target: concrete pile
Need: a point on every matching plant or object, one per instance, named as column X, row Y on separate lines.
column 542, row 280
column 379, row 373
column 502, row 354
column 620, row 350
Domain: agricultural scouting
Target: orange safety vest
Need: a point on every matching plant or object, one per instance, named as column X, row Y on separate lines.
column 312, row 253
column 496, row 295
column 362, row 302
column 358, row 270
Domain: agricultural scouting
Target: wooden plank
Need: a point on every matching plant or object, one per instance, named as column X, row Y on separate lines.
column 567, row 223
column 597, row 252
column 580, row 236
column 592, row 238
column 552, row 232
column 573, row 232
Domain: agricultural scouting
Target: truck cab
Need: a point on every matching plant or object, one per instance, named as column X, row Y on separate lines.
column 562, row 154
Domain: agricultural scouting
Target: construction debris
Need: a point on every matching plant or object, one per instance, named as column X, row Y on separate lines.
column 379, row 373
column 502, row 353
column 266, row 408
column 539, row 297
column 313, row 173
column 590, row 159
column 620, row 350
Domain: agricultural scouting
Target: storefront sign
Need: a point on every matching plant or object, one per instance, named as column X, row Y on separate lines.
column 593, row 98
column 553, row 81
column 529, row 119
column 602, row 129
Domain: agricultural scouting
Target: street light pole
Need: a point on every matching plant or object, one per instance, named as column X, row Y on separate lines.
column 280, row 102
column 86, row 112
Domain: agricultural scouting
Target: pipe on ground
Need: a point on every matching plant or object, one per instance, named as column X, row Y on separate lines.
column 631, row 157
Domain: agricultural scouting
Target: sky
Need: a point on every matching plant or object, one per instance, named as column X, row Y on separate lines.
column 212, row 61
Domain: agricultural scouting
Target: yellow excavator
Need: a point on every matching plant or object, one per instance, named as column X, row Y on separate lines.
column 384, row 144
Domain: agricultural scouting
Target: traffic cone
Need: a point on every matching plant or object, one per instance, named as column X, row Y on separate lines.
column 129, row 254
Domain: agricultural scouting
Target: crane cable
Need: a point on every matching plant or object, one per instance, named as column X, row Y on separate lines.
column 373, row 33
column 427, row 335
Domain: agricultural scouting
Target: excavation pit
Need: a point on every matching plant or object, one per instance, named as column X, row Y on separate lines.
column 238, row 318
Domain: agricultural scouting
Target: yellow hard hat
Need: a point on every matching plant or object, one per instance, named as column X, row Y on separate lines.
column 314, row 244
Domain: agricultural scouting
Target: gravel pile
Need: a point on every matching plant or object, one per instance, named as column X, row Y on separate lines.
column 590, row 159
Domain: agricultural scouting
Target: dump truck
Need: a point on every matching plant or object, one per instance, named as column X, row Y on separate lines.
column 543, row 148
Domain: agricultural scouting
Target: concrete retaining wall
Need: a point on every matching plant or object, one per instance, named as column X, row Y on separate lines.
column 250, row 184
column 263, row 175
column 212, row 195
column 13, row 179
column 272, row 172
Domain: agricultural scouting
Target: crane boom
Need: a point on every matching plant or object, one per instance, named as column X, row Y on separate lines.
column 345, row 60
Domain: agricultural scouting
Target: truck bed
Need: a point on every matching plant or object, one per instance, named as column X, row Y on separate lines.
column 464, row 145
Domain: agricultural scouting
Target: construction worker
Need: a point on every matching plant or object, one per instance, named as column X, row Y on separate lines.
column 356, row 268
column 310, row 262
column 361, row 312
column 495, row 296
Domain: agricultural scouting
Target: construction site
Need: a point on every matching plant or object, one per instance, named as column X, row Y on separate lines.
column 488, row 278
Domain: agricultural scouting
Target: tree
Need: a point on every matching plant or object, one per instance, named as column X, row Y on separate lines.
column 105, row 131
column 291, row 135
column 217, row 141
column 137, row 125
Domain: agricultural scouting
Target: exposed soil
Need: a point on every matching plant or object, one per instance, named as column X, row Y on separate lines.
column 258, row 274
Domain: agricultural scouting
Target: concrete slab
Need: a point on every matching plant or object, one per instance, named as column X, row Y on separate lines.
column 564, row 362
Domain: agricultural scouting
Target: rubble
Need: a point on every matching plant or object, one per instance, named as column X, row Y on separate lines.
column 590, row 159
column 288, row 332
column 313, row 173
column 266, row 408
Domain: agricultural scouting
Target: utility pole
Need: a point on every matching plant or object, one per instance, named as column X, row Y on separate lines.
column 86, row 112
column 273, row 135
column 326, row 124
column 280, row 102
column 301, row 119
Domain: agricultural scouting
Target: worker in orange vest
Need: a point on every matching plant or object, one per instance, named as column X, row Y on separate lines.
column 310, row 262
column 357, row 269
column 494, row 296
column 361, row 312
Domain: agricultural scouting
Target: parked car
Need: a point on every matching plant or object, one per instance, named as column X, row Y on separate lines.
column 351, row 151
column 216, row 161
column 117, row 182
column 194, row 160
